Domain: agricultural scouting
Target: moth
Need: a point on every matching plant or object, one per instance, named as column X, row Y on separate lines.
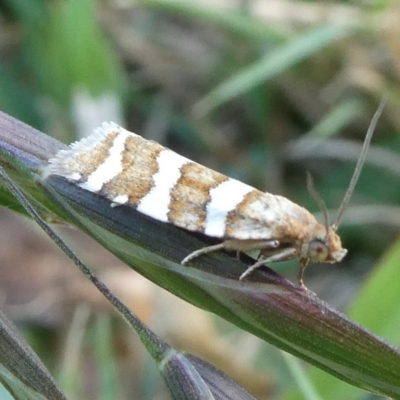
column 129, row 170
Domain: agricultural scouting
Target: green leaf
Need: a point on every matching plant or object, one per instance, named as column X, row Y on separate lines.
column 236, row 22
column 338, row 117
column 271, row 65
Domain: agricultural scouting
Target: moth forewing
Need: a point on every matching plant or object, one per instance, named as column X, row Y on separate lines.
column 130, row 170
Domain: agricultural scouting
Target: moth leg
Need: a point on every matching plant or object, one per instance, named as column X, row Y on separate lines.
column 256, row 245
column 283, row 255
column 269, row 248
column 204, row 250
column 248, row 245
column 238, row 245
column 303, row 265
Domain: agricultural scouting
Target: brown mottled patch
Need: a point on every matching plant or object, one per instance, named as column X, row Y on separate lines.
column 140, row 164
column 265, row 216
column 238, row 218
column 243, row 206
column 290, row 230
column 87, row 162
column 191, row 195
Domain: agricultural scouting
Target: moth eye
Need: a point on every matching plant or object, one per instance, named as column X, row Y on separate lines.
column 318, row 251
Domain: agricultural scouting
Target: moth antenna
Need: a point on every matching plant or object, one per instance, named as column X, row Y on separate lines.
column 360, row 163
column 318, row 199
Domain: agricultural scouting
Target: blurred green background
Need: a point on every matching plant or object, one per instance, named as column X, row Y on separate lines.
column 260, row 90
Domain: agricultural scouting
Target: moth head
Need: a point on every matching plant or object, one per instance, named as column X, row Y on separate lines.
column 326, row 247
column 323, row 244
